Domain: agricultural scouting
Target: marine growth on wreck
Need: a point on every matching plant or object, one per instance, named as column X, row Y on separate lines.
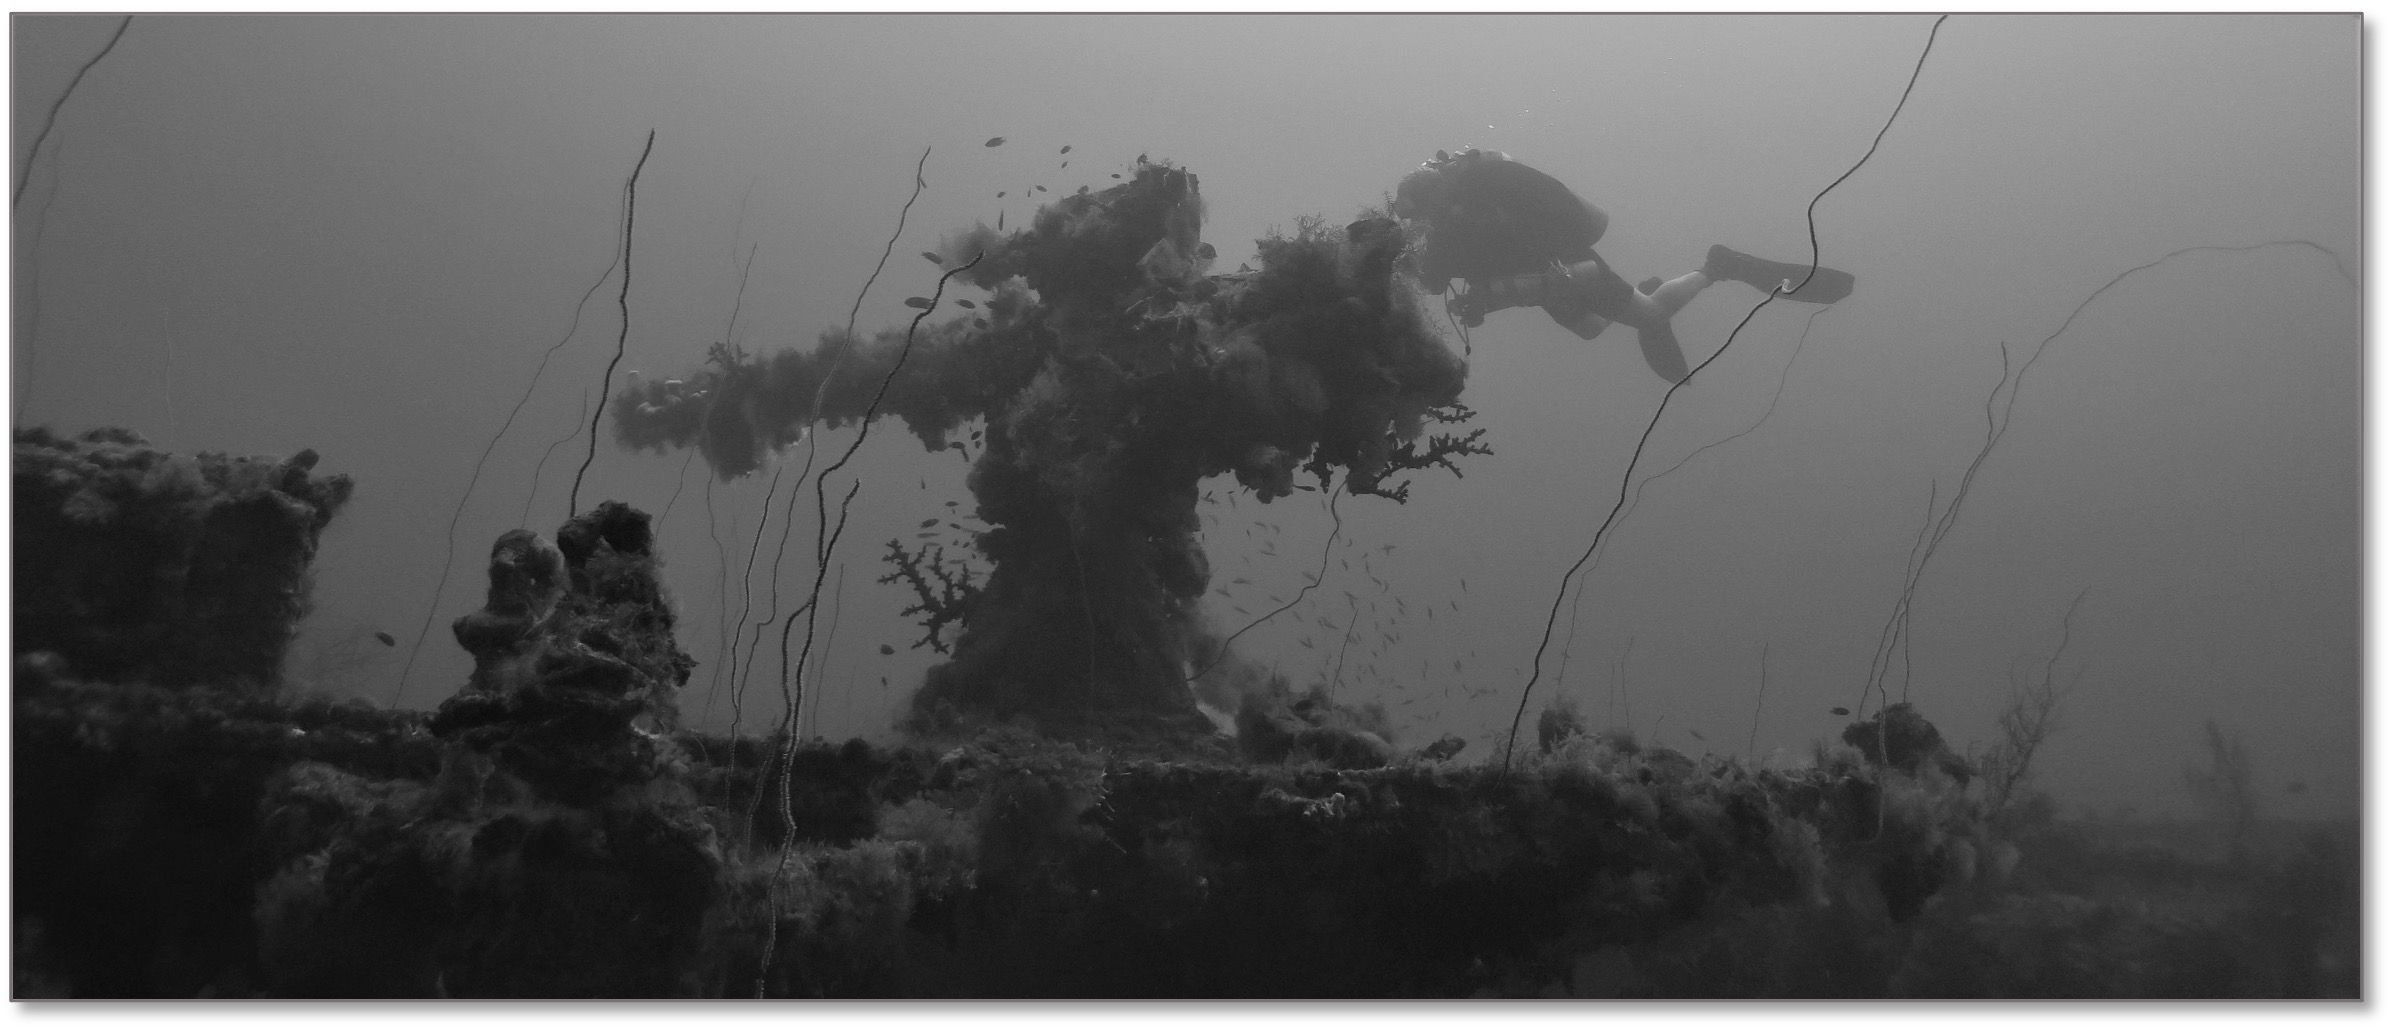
column 1192, row 725
column 1114, row 373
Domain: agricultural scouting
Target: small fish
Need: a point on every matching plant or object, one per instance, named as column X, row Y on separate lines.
column 995, row 141
column 1239, row 580
column 1116, row 175
column 957, row 528
column 1241, row 611
column 386, row 639
column 1042, row 189
column 933, row 258
column 1457, row 665
column 1000, row 220
column 1841, row 711
column 926, row 535
column 965, row 304
column 1000, row 194
column 1698, row 735
column 1222, row 591
column 886, row 650
column 918, row 302
column 1305, row 641
column 928, row 523
column 1066, row 149
column 1067, row 164
column 950, row 504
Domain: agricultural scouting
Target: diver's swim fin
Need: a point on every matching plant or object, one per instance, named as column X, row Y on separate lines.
column 1661, row 351
column 1826, row 286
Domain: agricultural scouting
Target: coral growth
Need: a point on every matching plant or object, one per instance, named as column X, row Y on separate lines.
column 559, row 803
column 945, row 606
column 575, row 667
column 1115, row 375
column 1274, row 727
column 1901, row 738
column 1015, row 866
column 136, row 564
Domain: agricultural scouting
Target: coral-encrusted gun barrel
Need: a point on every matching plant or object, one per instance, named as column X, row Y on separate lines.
column 1114, row 374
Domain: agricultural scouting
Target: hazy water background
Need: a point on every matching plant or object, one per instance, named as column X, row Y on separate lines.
column 358, row 234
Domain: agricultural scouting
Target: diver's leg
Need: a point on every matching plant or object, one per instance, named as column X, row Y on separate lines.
column 1650, row 314
column 1665, row 300
column 1817, row 286
column 1647, row 309
column 1661, row 351
column 1578, row 320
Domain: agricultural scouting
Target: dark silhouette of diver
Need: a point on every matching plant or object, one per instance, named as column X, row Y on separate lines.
column 1519, row 238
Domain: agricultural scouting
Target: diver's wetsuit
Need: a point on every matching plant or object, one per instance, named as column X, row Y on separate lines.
column 1518, row 237
column 1503, row 218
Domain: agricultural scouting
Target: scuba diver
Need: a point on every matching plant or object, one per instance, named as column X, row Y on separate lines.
column 1519, row 238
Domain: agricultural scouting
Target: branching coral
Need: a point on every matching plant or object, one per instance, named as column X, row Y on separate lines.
column 948, row 604
column 1440, row 452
